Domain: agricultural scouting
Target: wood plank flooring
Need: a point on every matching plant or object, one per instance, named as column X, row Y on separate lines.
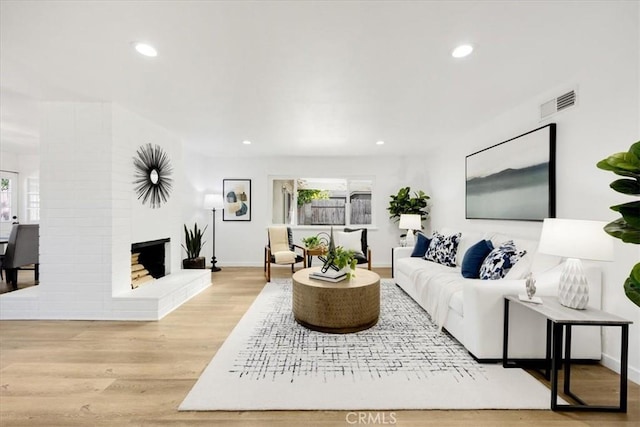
column 94, row 373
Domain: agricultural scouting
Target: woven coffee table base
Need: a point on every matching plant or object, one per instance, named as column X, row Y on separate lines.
column 343, row 307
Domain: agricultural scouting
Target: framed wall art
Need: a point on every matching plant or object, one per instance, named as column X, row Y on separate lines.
column 515, row 179
column 237, row 199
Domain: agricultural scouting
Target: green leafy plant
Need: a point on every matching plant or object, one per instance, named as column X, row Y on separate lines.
column 626, row 228
column 193, row 241
column 404, row 203
column 307, row 196
column 312, row 242
column 345, row 258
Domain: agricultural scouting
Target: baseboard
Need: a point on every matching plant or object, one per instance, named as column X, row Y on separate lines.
column 633, row 373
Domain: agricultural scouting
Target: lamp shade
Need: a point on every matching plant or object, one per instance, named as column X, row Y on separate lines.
column 410, row 222
column 572, row 238
column 213, row 201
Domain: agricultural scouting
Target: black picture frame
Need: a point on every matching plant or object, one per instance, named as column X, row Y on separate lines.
column 237, row 199
column 514, row 179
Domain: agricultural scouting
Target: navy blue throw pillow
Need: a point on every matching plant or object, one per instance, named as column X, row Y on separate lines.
column 422, row 243
column 474, row 257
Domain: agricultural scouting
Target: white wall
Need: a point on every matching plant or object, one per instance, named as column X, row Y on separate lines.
column 242, row 243
column 90, row 215
column 140, row 222
column 606, row 120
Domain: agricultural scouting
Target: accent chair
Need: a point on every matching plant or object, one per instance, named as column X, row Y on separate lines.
column 361, row 248
column 280, row 250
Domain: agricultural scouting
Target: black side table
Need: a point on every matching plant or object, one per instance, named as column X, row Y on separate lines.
column 560, row 319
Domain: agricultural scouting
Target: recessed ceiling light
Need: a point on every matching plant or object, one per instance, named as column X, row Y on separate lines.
column 380, row 143
column 145, row 49
column 462, row 51
column 245, row 142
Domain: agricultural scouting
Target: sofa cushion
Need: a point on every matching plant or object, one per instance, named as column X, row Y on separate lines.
column 474, row 258
column 500, row 260
column 410, row 266
column 456, row 303
column 467, row 239
column 422, row 243
column 520, row 269
column 442, row 249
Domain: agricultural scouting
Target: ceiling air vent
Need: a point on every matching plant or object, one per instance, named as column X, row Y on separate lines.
column 558, row 104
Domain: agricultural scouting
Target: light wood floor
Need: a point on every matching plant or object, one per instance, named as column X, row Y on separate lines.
column 88, row 373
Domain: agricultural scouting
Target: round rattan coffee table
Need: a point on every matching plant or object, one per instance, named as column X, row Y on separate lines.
column 342, row 307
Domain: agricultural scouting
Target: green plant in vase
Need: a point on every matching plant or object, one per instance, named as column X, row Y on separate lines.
column 193, row 244
column 626, row 228
column 345, row 258
column 312, row 242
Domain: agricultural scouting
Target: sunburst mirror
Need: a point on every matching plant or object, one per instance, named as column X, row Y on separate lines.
column 153, row 180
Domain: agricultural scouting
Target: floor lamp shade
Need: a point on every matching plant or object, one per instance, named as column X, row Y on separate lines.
column 575, row 240
column 213, row 202
column 410, row 222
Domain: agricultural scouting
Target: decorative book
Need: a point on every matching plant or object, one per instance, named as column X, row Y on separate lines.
column 328, row 278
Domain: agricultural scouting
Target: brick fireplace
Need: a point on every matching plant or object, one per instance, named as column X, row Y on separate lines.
column 148, row 261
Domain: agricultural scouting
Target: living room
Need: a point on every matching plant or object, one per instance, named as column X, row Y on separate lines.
column 597, row 57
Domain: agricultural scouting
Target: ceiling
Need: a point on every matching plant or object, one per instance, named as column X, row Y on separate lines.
column 295, row 78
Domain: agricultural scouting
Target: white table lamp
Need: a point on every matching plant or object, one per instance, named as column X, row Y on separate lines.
column 213, row 202
column 410, row 222
column 575, row 240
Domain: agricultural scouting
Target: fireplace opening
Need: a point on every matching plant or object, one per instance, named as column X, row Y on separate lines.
column 147, row 261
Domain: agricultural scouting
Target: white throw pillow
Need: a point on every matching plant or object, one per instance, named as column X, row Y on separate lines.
column 349, row 240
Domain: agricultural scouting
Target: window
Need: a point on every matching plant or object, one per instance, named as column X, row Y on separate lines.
column 8, row 196
column 321, row 201
column 33, row 199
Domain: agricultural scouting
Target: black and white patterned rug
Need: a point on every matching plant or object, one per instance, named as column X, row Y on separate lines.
column 271, row 362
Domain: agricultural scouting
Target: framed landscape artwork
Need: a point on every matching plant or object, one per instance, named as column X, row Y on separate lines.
column 515, row 179
column 237, row 199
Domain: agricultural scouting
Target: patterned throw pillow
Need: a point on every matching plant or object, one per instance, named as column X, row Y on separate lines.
column 500, row 260
column 443, row 249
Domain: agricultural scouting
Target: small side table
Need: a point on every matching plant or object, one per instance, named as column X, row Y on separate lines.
column 314, row 252
column 560, row 319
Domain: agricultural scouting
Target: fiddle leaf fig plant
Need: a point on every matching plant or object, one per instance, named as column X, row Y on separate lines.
column 404, row 203
column 626, row 228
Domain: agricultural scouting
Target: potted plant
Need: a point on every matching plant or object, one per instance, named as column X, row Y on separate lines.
column 312, row 242
column 193, row 245
column 344, row 259
column 404, row 203
column 627, row 227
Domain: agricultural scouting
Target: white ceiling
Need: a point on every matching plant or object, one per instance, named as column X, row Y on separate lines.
column 295, row 78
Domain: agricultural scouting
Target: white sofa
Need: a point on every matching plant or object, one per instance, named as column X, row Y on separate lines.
column 472, row 310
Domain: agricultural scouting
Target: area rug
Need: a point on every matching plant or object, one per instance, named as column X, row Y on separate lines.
column 270, row 362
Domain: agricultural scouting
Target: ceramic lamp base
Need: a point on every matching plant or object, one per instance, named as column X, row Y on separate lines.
column 573, row 291
column 411, row 239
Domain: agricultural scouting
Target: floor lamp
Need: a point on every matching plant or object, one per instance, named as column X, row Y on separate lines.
column 213, row 202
